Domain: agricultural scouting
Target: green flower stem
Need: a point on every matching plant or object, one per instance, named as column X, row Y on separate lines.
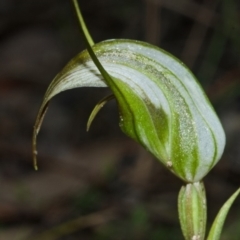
column 89, row 43
column 82, row 23
column 193, row 211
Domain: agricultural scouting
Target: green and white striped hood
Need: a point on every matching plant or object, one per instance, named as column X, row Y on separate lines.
column 161, row 104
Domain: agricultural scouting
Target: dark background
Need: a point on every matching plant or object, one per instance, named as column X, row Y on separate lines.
column 100, row 184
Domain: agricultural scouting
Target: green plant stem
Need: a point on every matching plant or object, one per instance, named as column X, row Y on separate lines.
column 82, row 23
column 88, row 41
column 86, row 36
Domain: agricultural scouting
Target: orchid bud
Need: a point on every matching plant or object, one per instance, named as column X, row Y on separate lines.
column 192, row 208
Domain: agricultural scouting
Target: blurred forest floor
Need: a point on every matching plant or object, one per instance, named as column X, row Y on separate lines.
column 101, row 184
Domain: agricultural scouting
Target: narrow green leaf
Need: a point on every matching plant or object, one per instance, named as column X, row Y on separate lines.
column 217, row 226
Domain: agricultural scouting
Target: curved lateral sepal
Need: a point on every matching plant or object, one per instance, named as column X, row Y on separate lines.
column 97, row 108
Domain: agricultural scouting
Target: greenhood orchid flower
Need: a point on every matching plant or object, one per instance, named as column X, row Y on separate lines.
column 162, row 107
column 161, row 104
